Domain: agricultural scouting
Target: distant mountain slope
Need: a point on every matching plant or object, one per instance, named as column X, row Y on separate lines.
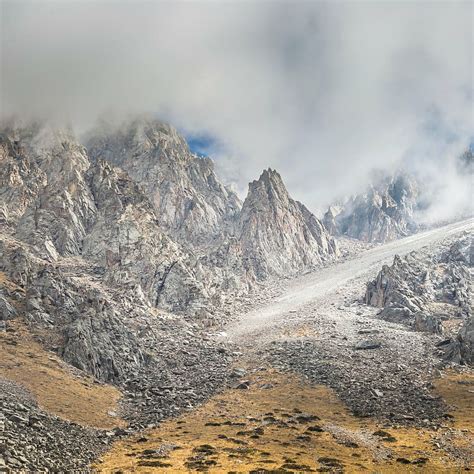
column 89, row 257
column 399, row 204
column 385, row 212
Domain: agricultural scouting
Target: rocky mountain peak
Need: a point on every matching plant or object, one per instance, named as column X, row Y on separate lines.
column 280, row 236
column 192, row 204
column 268, row 192
column 271, row 177
column 138, row 136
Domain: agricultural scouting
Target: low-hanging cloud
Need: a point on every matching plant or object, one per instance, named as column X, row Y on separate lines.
column 323, row 92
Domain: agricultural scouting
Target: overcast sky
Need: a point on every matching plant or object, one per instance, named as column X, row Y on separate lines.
column 322, row 92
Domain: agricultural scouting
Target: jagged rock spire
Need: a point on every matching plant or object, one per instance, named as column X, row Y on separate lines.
column 280, row 236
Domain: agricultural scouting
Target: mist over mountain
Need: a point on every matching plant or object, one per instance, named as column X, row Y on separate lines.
column 321, row 92
column 398, row 204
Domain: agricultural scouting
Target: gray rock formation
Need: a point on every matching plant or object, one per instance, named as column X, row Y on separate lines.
column 192, row 205
column 461, row 349
column 82, row 256
column 280, row 236
column 385, row 212
column 423, row 290
column 61, row 204
column 20, row 176
column 86, row 256
column 329, row 219
column 194, row 208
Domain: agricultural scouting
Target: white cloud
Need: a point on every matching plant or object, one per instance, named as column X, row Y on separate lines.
column 320, row 91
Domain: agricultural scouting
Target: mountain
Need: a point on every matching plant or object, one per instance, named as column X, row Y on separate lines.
column 280, row 236
column 84, row 255
column 192, row 205
column 385, row 212
column 117, row 257
column 95, row 256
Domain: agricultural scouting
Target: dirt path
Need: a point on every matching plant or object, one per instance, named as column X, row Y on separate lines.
column 313, row 287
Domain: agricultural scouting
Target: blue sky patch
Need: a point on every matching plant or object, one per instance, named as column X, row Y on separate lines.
column 201, row 144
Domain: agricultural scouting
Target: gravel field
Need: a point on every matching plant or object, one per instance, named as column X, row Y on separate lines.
column 319, row 327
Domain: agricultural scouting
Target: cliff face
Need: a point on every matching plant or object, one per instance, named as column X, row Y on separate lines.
column 63, row 205
column 278, row 235
column 192, row 205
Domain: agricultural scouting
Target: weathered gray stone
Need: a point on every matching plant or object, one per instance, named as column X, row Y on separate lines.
column 280, row 236
column 192, row 204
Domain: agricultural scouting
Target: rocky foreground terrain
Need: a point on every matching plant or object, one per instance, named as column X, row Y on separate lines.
column 323, row 383
column 34, row 441
column 127, row 267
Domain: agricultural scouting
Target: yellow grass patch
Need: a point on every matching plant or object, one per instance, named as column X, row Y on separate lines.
column 282, row 423
column 457, row 389
column 56, row 387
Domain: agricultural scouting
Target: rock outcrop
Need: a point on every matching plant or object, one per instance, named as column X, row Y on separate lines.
column 192, row 205
column 422, row 290
column 461, row 348
column 329, row 219
column 385, row 212
column 20, row 176
column 280, row 236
